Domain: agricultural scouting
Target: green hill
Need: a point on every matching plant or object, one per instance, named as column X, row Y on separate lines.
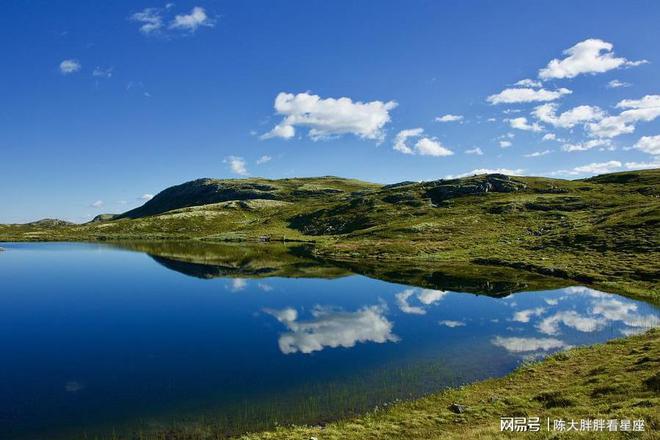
column 601, row 231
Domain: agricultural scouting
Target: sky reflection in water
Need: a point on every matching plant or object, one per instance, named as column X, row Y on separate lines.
column 95, row 337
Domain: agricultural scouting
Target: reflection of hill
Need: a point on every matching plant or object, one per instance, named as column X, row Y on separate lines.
column 217, row 260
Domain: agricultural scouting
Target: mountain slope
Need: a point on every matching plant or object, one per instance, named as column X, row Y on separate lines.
column 601, row 231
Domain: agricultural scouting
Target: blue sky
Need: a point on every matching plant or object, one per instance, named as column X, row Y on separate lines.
column 105, row 103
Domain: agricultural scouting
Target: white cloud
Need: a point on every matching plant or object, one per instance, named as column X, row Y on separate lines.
column 69, row 66
column 505, row 144
column 425, row 296
column 598, row 168
column 538, row 153
column 101, row 72
column 449, row 118
column 615, row 84
column 238, row 284
column 522, row 124
column 549, row 137
column 475, row 150
column 507, row 171
column 402, row 137
column 525, row 315
column 190, row 22
column 424, row 146
column 529, row 83
column 452, row 324
column 332, row 328
column 263, row 159
column 146, row 197
column 432, row 147
column 150, row 18
column 584, row 146
column 97, row 204
column 642, row 165
column 585, row 324
column 330, row 117
column 649, row 144
column 580, row 114
column 237, row 165
column 521, row 345
column 518, row 95
column 588, row 56
column 645, row 109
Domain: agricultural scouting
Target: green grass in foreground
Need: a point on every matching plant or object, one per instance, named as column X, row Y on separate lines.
column 616, row 380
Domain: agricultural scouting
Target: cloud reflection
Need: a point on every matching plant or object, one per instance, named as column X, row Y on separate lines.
column 425, row 297
column 332, row 328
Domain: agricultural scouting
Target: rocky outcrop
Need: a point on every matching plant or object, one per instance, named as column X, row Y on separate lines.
column 440, row 190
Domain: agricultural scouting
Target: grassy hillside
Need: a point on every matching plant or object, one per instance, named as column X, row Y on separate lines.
column 601, row 231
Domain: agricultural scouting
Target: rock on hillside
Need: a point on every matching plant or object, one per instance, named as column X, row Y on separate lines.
column 50, row 223
column 440, row 190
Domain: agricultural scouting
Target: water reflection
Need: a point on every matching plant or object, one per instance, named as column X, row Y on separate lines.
column 332, row 328
column 101, row 335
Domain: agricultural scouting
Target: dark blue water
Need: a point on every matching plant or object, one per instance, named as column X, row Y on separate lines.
column 96, row 339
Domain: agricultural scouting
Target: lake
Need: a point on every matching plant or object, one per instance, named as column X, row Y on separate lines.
column 131, row 337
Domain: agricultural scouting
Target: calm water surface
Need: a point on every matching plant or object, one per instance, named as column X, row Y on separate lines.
column 97, row 339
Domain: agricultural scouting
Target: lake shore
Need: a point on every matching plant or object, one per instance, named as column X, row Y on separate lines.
column 615, row 380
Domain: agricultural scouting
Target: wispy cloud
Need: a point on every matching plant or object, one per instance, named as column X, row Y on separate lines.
column 449, row 118
column 588, row 56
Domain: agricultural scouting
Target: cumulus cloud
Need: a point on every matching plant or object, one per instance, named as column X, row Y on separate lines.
column 332, row 328
column 522, row 345
column 538, row 153
column 549, row 137
column 584, row 146
column 525, row 94
column 636, row 110
column 507, row 171
column 97, row 204
column 237, row 165
column 146, row 197
column 431, row 147
column 580, row 114
column 69, row 66
column 330, row 117
column 615, row 84
column 505, row 144
column 649, row 144
column 588, row 56
column 522, row 124
column 264, row 159
column 449, row 118
column 475, row 150
column 192, row 21
column 424, row 146
column 425, row 297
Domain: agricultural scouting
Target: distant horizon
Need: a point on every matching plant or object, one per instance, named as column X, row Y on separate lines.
column 106, row 104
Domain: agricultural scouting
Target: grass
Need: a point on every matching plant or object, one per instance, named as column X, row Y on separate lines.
column 601, row 232
column 616, row 380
